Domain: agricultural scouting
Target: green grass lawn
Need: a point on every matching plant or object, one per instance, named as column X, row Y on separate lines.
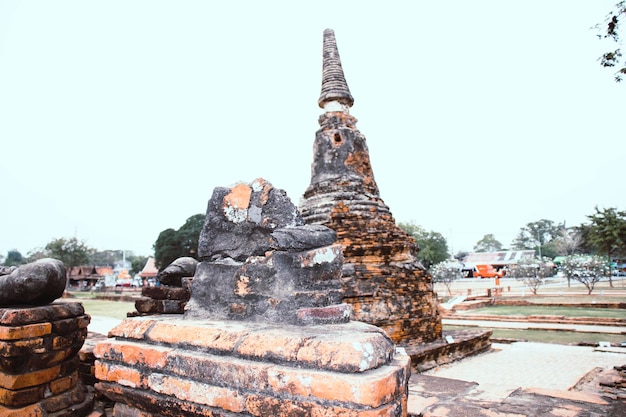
column 505, row 310
column 550, row 336
column 115, row 309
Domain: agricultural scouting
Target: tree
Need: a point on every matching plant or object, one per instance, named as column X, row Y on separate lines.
column 538, row 235
column 568, row 242
column 71, row 252
column 445, row 273
column 166, row 248
column 173, row 244
column 105, row 257
column 610, row 30
column 586, row 269
column 14, row 258
column 488, row 244
column 433, row 246
column 531, row 271
column 137, row 264
column 607, row 232
column 36, row 254
column 189, row 234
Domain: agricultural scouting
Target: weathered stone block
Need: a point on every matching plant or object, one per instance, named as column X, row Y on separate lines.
column 162, row 366
column 165, row 292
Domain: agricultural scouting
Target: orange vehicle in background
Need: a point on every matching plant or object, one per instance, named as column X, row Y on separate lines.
column 487, row 271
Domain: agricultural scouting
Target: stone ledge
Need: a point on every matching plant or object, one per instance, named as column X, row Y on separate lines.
column 174, row 371
column 361, row 346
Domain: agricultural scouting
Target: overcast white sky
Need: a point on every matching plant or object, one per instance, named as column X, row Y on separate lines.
column 119, row 118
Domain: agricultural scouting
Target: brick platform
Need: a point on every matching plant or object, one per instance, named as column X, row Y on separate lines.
column 39, row 363
column 159, row 366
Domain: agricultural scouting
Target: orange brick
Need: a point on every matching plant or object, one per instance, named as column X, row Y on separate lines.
column 33, row 410
column 132, row 353
column 220, row 336
column 355, row 351
column 123, row 375
column 219, row 370
column 18, row 347
column 29, row 379
column 63, row 384
column 22, row 397
column 263, row 406
column 198, row 392
column 25, row 332
column 134, row 328
column 371, row 389
column 273, row 344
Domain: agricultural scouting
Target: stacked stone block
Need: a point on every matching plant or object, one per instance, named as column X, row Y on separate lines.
column 39, row 363
column 163, row 299
column 159, row 366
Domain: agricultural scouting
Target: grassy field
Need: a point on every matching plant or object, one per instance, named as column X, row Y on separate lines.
column 551, row 336
column 505, row 310
column 115, row 309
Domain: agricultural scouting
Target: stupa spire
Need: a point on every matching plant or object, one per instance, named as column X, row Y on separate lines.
column 334, row 86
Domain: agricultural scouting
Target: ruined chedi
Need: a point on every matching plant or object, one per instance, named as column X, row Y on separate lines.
column 264, row 332
column 382, row 279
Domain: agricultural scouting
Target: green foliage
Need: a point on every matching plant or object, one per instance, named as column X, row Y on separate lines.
column 36, row 254
column 607, row 231
column 541, row 235
column 137, row 264
column 446, row 272
column 14, row 258
column 105, row 257
column 586, row 269
column 71, row 252
column 173, row 244
column 488, row 244
column 531, row 271
column 610, row 30
column 432, row 245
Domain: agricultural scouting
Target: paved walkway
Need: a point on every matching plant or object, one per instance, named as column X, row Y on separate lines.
column 102, row 325
column 529, row 365
column 518, row 376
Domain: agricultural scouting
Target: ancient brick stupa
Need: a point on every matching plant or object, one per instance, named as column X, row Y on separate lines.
column 382, row 279
column 264, row 333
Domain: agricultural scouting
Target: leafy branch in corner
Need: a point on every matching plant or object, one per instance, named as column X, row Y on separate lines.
column 610, row 30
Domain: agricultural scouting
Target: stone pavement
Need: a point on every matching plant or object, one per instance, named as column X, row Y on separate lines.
column 518, row 379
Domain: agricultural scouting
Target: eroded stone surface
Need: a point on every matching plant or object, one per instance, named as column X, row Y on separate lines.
column 249, row 368
column 382, row 279
column 174, row 273
column 36, row 283
column 261, row 263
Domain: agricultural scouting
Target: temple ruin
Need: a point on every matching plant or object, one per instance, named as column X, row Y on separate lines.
column 382, row 279
column 265, row 332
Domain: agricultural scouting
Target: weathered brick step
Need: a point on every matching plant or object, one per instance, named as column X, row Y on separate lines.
column 330, row 347
column 159, row 366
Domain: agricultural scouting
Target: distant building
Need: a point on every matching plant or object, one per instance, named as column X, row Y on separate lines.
column 87, row 275
column 496, row 259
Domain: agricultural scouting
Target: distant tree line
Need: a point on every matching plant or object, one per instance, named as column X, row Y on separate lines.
column 74, row 252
